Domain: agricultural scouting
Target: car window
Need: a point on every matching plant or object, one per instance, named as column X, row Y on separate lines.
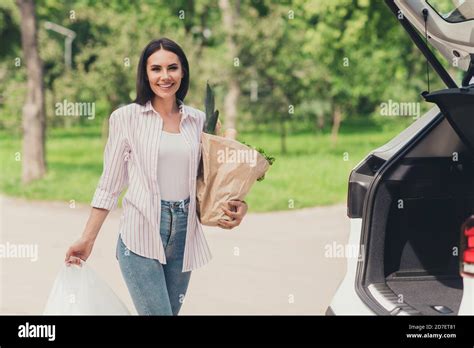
column 453, row 11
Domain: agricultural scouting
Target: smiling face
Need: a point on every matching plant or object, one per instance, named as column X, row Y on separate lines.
column 164, row 72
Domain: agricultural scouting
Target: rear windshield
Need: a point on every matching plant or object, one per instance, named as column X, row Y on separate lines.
column 454, row 11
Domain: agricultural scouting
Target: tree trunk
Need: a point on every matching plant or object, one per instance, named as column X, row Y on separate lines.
column 230, row 104
column 283, row 134
column 34, row 117
column 320, row 122
column 336, row 123
column 229, row 19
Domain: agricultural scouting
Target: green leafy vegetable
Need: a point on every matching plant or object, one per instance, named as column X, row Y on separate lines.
column 270, row 159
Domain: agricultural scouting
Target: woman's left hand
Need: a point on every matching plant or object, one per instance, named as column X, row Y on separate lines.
column 236, row 216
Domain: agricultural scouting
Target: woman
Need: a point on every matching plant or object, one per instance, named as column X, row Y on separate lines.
column 153, row 147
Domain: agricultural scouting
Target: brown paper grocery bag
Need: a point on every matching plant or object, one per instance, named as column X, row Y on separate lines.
column 227, row 171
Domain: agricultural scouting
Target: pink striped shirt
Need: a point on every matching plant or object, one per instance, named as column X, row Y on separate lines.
column 131, row 159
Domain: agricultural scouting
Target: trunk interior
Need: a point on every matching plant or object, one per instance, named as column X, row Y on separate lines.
column 422, row 243
column 421, row 204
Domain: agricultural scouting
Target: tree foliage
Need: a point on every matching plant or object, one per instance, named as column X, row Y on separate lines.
column 302, row 59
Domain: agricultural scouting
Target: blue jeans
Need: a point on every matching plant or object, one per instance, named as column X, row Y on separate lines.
column 158, row 289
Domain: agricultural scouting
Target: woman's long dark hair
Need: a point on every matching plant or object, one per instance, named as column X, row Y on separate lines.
column 144, row 92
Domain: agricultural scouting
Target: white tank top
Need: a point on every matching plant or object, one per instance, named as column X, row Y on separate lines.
column 173, row 167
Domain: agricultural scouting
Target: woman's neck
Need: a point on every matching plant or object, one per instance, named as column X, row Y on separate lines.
column 165, row 107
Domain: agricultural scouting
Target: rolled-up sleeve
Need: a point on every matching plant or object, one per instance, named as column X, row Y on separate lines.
column 114, row 177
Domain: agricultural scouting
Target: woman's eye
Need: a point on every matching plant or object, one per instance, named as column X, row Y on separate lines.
column 158, row 69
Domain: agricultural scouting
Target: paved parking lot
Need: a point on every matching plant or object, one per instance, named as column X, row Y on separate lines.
column 273, row 263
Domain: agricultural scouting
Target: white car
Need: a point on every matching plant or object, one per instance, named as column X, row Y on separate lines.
column 408, row 199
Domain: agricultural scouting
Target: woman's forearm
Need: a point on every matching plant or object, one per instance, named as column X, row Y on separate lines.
column 96, row 219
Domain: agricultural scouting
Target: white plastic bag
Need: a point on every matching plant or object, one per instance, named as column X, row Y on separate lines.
column 78, row 290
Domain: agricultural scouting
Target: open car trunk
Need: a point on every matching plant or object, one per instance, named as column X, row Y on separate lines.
column 415, row 203
column 421, row 201
column 422, row 198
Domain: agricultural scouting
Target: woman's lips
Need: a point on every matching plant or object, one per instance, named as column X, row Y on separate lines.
column 166, row 86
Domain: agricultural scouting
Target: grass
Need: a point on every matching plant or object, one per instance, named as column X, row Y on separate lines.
column 312, row 173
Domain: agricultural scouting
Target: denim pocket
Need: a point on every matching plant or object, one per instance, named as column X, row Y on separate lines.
column 121, row 247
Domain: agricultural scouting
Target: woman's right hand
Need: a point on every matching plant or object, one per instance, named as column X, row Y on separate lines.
column 80, row 250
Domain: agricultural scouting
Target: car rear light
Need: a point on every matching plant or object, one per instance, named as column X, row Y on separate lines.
column 470, row 241
column 468, row 255
column 466, row 306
